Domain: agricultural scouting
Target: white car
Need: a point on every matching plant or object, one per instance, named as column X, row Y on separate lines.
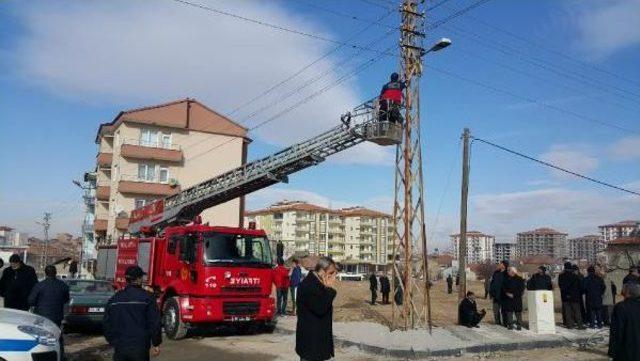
column 27, row 337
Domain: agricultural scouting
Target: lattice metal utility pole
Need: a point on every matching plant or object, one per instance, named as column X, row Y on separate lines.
column 45, row 224
column 410, row 269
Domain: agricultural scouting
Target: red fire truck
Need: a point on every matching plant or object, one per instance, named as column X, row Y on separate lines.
column 204, row 274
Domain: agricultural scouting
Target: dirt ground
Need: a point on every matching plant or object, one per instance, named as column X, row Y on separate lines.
column 352, row 303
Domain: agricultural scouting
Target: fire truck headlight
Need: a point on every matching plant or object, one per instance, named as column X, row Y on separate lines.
column 227, row 274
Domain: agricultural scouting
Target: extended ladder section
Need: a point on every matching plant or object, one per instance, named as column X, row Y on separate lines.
column 363, row 124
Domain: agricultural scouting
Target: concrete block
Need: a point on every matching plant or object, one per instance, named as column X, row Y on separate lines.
column 541, row 312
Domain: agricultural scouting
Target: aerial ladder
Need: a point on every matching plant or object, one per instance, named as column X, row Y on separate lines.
column 364, row 123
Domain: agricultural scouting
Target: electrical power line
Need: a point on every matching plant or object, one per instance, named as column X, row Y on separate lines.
column 273, row 26
column 533, row 100
column 304, row 68
column 348, row 16
column 550, row 50
column 556, row 167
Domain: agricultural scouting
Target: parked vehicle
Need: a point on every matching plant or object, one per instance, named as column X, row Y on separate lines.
column 86, row 307
column 351, row 277
column 25, row 336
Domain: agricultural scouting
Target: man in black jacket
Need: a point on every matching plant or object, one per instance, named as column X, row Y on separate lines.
column 314, row 331
column 449, row 284
column 385, row 288
column 513, row 288
column 495, row 292
column 132, row 321
column 633, row 276
column 373, row 287
column 48, row 298
column 468, row 314
column 563, row 278
column 571, row 293
column 16, row 284
column 624, row 335
column 540, row 281
column 594, row 287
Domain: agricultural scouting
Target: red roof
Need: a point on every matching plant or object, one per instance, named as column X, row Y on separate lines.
column 5, row 228
column 628, row 223
column 543, row 231
column 473, row 233
column 626, row 240
column 308, row 207
column 539, row 260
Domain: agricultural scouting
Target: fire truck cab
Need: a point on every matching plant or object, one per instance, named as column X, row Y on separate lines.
column 204, row 275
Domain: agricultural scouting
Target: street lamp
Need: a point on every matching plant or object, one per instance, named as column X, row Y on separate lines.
column 441, row 44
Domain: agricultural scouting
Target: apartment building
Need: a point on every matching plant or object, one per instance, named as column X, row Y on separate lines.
column 505, row 251
column 10, row 237
column 609, row 232
column 542, row 241
column 479, row 246
column 153, row 152
column 585, row 247
column 349, row 234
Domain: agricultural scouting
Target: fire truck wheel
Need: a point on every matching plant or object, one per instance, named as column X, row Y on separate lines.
column 174, row 328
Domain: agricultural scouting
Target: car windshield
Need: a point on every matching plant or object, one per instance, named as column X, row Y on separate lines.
column 236, row 248
column 89, row 287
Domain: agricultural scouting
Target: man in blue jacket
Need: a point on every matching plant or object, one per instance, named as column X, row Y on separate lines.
column 132, row 321
column 294, row 282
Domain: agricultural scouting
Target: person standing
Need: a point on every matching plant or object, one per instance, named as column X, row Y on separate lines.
column 48, row 298
column 294, row 282
column 468, row 314
column 540, row 281
column 608, row 300
column 624, row 335
column 513, row 287
column 398, row 295
column 391, row 99
column 449, row 284
column 583, row 309
column 385, row 288
column 495, row 292
column 487, row 286
column 563, row 279
column 572, row 286
column 373, row 287
column 73, row 268
column 132, row 321
column 594, row 289
column 314, row 330
column 281, row 281
column 16, row 283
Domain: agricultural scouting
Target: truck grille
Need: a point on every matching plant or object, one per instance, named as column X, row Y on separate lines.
column 240, row 308
column 231, row 289
column 45, row 356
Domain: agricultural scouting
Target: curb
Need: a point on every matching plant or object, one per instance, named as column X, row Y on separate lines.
column 458, row 351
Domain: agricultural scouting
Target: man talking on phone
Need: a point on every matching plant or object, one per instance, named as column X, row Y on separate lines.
column 314, row 332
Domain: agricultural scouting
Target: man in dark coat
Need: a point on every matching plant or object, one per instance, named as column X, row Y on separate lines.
column 563, row 279
column 48, row 298
column 373, row 287
column 16, row 283
column 624, row 335
column 398, row 296
column 385, row 288
column 132, row 321
column 314, row 331
column 594, row 287
column 449, row 284
column 540, row 281
column 571, row 293
column 513, row 287
column 468, row 314
column 496, row 294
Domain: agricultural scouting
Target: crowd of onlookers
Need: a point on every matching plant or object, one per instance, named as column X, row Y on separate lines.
column 586, row 300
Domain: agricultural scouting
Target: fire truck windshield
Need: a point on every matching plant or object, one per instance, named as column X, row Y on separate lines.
column 236, row 248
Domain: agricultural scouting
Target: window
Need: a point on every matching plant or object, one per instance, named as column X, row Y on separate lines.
column 139, row 203
column 163, row 174
column 148, row 137
column 146, row 172
column 165, row 140
column 173, row 244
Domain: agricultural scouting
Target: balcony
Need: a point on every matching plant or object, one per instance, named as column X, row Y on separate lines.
column 104, row 159
column 122, row 223
column 103, row 191
column 100, row 225
column 140, row 149
column 132, row 184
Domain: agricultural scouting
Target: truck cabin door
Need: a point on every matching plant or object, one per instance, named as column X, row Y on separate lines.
column 188, row 251
column 169, row 260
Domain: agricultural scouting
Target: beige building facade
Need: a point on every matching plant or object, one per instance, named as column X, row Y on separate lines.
column 347, row 235
column 152, row 152
column 542, row 241
column 609, row 232
column 479, row 246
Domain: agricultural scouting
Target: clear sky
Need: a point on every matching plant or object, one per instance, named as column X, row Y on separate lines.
column 556, row 79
